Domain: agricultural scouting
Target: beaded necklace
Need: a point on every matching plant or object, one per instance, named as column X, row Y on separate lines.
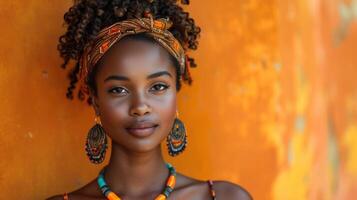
column 170, row 184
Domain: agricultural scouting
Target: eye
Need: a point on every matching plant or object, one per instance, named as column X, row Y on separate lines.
column 118, row 90
column 159, row 87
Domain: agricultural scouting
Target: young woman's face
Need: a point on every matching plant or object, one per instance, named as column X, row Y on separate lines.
column 136, row 94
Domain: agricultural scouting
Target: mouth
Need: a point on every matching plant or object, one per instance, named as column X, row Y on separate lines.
column 142, row 129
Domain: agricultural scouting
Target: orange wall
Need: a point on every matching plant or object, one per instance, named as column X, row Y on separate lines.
column 272, row 108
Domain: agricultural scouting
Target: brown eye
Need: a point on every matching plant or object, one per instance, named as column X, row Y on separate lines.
column 118, row 90
column 159, row 87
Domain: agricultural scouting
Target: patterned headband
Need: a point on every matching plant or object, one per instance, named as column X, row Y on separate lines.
column 157, row 29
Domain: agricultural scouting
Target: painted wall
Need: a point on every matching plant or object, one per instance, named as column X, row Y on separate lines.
column 273, row 106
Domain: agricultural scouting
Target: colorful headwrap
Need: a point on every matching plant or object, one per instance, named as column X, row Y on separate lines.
column 157, row 29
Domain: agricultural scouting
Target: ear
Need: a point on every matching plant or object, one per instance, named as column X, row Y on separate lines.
column 95, row 103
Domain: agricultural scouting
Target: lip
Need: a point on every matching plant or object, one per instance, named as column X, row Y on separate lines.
column 142, row 129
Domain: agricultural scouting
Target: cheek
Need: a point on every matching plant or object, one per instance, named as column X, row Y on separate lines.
column 114, row 112
column 166, row 109
column 113, row 116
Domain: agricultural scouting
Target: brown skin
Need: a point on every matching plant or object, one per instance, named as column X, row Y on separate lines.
column 136, row 170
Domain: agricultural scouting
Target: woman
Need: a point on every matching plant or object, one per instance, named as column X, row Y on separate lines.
column 131, row 59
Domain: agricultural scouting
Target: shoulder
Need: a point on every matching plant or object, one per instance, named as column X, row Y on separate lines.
column 88, row 191
column 191, row 188
column 229, row 190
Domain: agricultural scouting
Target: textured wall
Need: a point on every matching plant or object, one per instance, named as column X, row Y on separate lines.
column 318, row 101
column 273, row 106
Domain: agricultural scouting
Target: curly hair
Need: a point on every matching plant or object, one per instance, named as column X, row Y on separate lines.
column 87, row 17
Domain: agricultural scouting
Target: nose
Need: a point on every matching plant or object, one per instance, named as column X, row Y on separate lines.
column 139, row 106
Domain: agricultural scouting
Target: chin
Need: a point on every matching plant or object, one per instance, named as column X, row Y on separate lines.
column 144, row 147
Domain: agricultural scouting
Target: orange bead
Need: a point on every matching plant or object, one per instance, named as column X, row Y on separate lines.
column 171, row 181
column 160, row 197
column 112, row 196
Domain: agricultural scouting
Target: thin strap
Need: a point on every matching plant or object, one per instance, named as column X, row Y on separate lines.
column 212, row 192
column 65, row 196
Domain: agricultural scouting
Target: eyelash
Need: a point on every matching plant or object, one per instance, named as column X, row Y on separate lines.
column 116, row 88
column 165, row 87
column 161, row 84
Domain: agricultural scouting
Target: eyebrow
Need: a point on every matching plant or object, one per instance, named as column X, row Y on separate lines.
column 151, row 76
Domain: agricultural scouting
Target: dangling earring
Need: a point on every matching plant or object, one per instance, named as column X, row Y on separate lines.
column 177, row 139
column 96, row 143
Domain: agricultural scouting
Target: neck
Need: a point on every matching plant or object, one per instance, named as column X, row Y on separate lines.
column 133, row 174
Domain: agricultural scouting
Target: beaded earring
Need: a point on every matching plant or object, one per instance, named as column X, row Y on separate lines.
column 96, row 143
column 177, row 138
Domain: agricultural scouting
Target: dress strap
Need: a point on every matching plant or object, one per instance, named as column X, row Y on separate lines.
column 212, row 192
column 65, row 196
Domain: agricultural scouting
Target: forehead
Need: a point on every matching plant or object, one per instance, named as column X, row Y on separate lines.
column 134, row 57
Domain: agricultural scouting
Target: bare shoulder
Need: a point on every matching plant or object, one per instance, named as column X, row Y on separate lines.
column 86, row 192
column 229, row 190
column 191, row 188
